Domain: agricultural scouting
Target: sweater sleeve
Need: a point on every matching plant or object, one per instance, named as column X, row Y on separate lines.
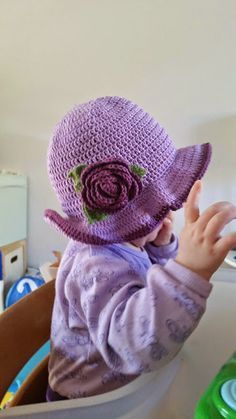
column 161, row 254
column 138, row 326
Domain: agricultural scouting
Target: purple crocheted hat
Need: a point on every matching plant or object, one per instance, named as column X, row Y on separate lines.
column 116, row 172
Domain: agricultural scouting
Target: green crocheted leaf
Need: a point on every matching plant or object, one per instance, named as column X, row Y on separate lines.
column 75, row 174
column 94, row 216
column 138, row 170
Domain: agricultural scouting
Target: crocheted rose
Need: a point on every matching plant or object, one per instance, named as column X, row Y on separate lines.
column 106, row 187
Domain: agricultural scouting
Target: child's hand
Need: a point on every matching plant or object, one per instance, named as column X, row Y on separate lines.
column 201, row 248
column 164, row 234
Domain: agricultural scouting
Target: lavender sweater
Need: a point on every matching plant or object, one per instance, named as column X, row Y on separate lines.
column 119, row 312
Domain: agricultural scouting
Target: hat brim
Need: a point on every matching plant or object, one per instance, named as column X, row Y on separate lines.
column 189, row 165
column 145, row 213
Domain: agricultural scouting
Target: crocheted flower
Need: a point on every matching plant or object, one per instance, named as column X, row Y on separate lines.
column 106, row 187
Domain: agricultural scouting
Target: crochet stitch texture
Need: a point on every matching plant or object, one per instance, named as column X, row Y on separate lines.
column 116, row 128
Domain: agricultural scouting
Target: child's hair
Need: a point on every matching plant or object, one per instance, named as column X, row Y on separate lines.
column 116, row 172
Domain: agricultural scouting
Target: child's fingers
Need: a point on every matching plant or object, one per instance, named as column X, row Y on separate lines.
column 170, row 216
column 167, row 221
column 226, row 243
column 219, row 221
column 210, row 212
column 167, row 225
column 164, row 235
column 191, row 206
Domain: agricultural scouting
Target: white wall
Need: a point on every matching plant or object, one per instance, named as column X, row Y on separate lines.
column 175, row 58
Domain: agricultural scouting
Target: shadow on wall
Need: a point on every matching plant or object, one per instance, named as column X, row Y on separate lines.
column 220, row 179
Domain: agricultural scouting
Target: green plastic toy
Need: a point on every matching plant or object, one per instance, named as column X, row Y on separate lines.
column 219, row 400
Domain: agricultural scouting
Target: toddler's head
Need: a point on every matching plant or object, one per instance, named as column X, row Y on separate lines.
column 117, row 173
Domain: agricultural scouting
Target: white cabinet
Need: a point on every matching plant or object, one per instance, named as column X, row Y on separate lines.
column 13, row 208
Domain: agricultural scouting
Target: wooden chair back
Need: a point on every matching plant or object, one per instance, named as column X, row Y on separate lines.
column 24, row 328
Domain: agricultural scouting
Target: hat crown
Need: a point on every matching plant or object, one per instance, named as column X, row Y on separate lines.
column 105, row 128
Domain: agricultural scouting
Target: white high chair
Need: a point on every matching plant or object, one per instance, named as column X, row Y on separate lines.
column 24, row 328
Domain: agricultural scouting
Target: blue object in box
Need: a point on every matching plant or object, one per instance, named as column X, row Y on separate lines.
column 22, row 287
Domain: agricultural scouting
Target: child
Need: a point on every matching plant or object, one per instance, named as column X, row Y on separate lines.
column 123, row 305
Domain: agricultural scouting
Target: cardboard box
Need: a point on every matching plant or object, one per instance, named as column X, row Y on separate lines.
column 13, row 262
